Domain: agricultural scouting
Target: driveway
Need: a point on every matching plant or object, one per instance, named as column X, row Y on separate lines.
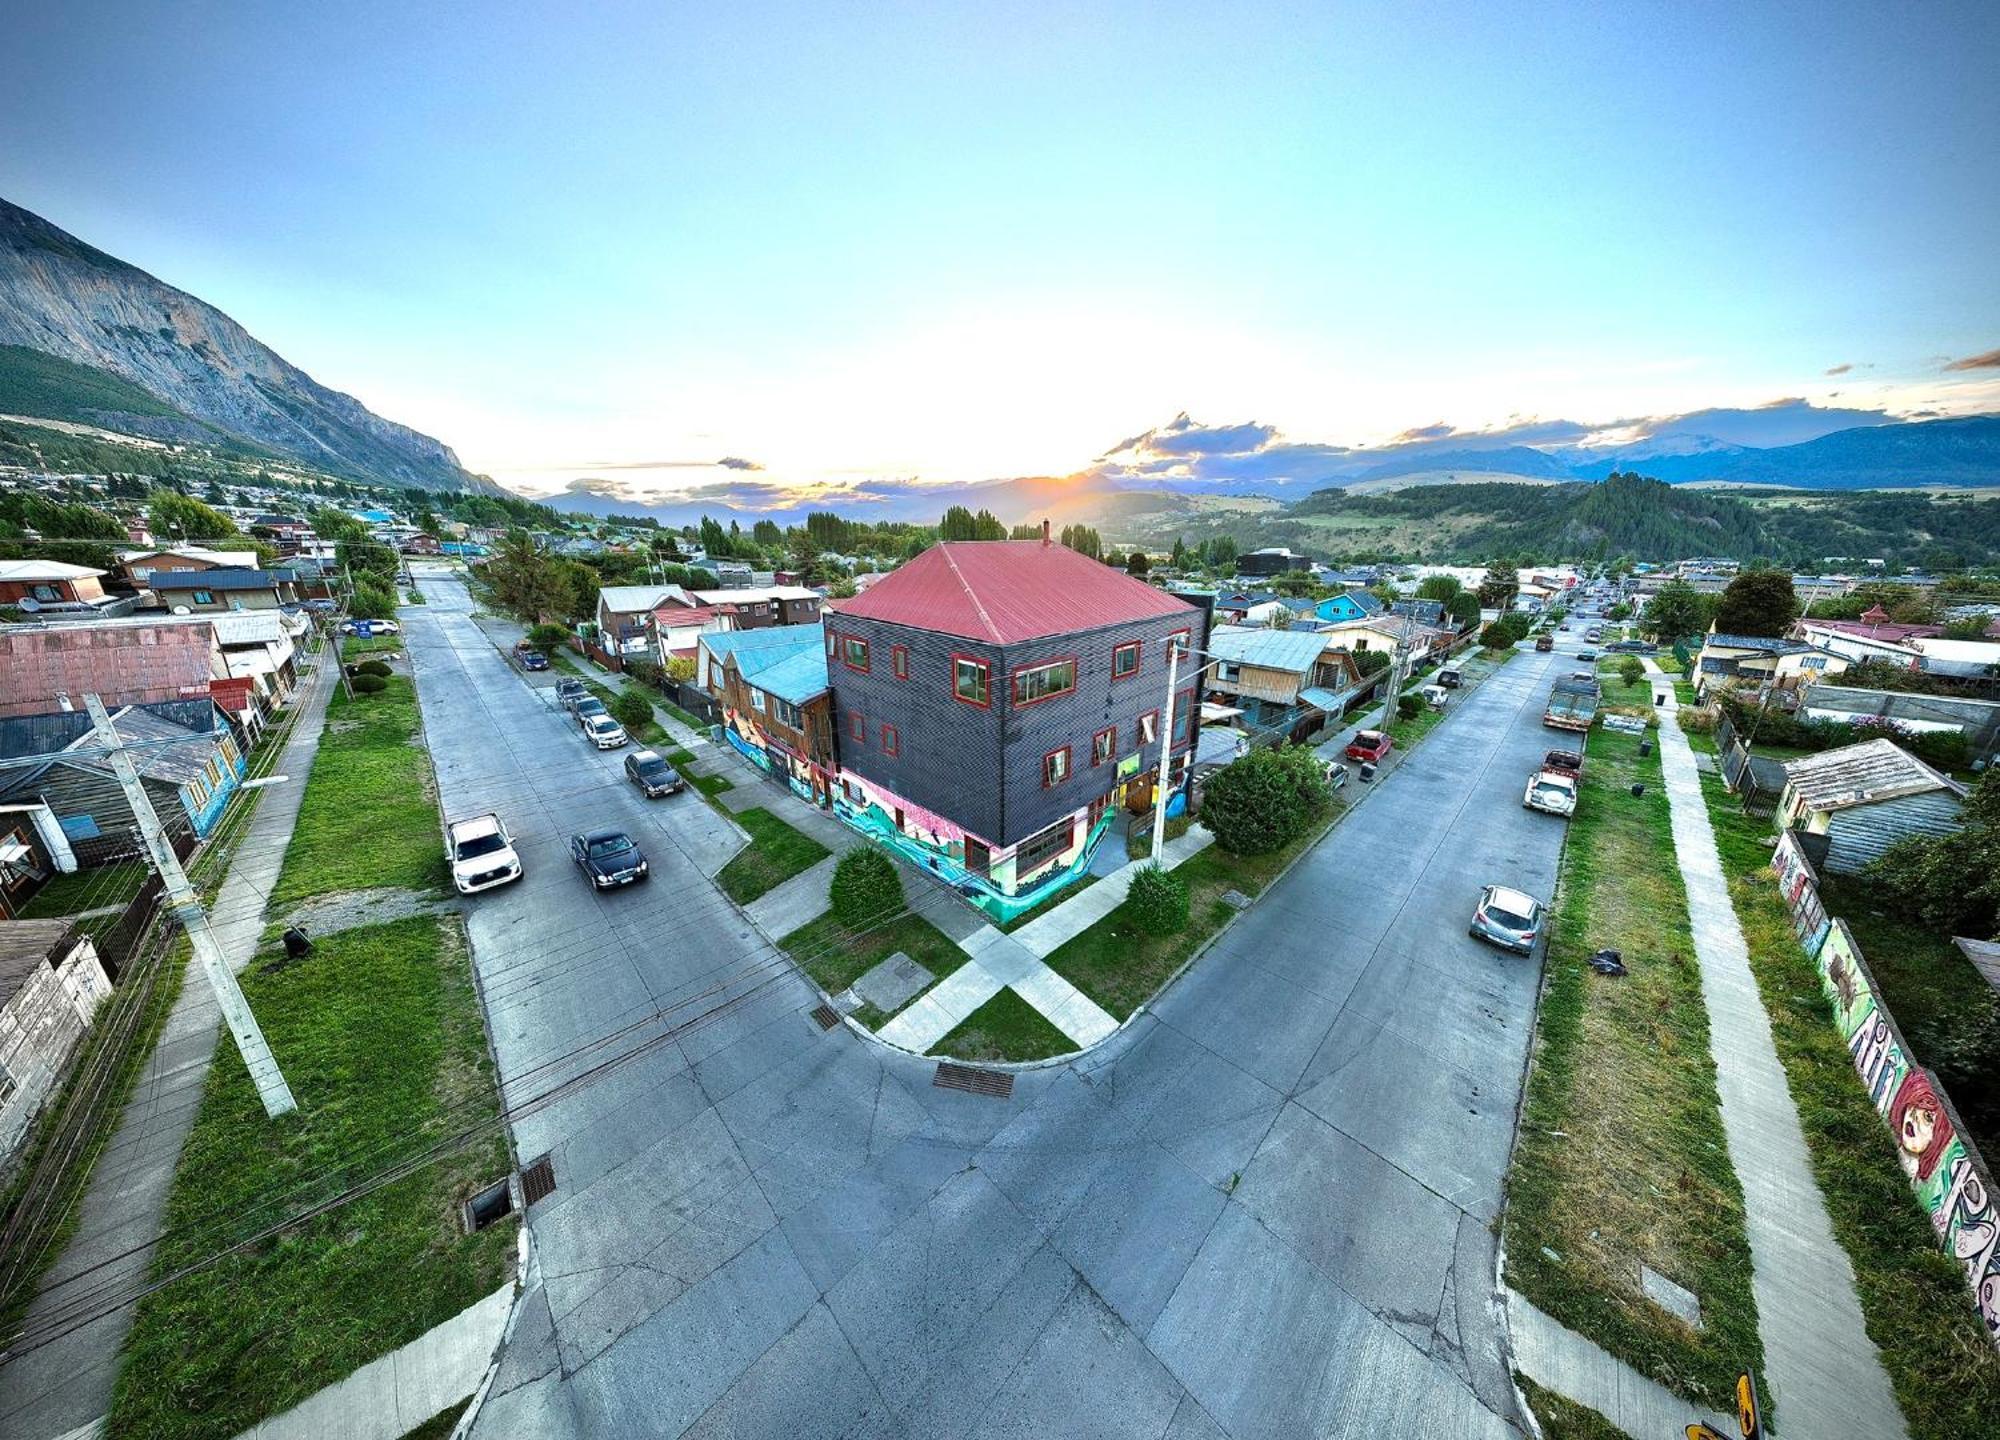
column 1260, row 1211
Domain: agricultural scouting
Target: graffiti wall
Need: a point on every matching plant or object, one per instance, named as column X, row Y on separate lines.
column 1801, row 891
column 1943, row 1168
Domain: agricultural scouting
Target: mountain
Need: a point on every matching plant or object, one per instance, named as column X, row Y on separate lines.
column 1923, row 452
column 1509, row 460
column 86, row 337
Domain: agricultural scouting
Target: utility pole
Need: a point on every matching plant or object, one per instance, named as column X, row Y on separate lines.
column 186, row 907
column 1398, row 671
column 1166, row 746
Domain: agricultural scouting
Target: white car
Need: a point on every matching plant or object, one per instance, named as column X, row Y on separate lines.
column 481, row 854
column 603, row 732
column 375, row 627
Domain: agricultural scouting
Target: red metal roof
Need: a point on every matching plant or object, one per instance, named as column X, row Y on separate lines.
column 1003, row 591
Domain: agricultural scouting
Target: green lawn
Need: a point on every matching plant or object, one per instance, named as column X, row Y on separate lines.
column 775, row 854
column 1121, row 967
column 87, row 890
column 678, row 756
column 1004, row 1028
column 1620, row 1158
column 711, row 785
column 1563, row 1418
column 1919, row 1313
column 380, row 1037
column 355, row 646
column 836, row 958
column 368, row 818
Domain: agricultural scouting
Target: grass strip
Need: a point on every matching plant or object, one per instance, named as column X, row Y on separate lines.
column 362, row 645
column 1562, row 1418
column 1621, row 1159
column 1913, row 1297
column 711, row 785
column 1004, row 1028
column 836, row 957
column 380, row 1035
column 777, row 851
column 1120, row 966
column 368, row 817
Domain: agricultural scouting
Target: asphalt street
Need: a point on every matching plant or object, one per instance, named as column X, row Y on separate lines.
column 1261, row 1210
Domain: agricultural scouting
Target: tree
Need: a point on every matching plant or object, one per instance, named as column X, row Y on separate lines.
column 1082, row 539
column 1950, row 884
column 1676, row 612
column 1158, row 901
column 958, row 524
column 1758, row 602
column 372, row 600
column 632, row 710
column 1496, row 636
column 1498, row 587
column 1137, row 564
column 176, row 519
column 526, row 580
column 1219, row 552
column 1438, row 587
column 714, row 540
column 1264, row 800
column 1631, row 671
column 767, row 533
column 1179, row 559
column 1463, row 609
column 1371, row 662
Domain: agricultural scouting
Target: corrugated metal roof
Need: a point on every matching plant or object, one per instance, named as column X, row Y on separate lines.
column 798, row 677
column 1328, row 700
column 1863, row 774
column 1006, row 591
column 1274, row 649
column 26, row 946
column 31, row 570
column 220, row 578
column 1764, row 644
column 631, row 599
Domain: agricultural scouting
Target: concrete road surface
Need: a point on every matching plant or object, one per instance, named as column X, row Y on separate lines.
column 1260, row 1211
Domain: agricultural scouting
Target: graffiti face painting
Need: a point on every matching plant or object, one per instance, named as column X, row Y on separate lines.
column 1922, row 1129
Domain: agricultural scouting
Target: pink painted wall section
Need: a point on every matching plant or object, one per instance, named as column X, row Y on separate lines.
column 1945, row 1170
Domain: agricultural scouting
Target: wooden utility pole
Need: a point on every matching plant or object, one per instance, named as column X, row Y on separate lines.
column 186, row 907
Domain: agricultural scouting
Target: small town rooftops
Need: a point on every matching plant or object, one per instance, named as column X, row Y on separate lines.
column 1765, row 644
column 29, row 571
column 1862, row 774
column 226, row 577
column 25, row 946
column 1006, row 591
column 1295, row 650
column 788, row 661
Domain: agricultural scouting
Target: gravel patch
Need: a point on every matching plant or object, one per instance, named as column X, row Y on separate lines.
column 329, row 914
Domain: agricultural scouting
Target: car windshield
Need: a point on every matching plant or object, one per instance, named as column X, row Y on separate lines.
column 1500, row 915
column 480, row 845
column 609, row 847
column 652, row 768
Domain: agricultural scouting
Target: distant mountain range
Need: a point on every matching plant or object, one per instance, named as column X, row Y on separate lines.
column 86, row 337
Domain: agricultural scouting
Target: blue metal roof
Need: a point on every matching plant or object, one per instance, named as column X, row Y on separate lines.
column 788, row 661
column 1277, row 649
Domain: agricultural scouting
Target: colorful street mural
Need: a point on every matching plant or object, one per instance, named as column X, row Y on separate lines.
column 1943, row 1168
column 937, row 845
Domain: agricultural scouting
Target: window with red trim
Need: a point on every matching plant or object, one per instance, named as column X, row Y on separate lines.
column 1055, row 768
column 857, row 728
column 1182, row 637
column 854, row 653
column 1032, row 684
column 1125, row 659
column 892, row 743
column 1103, row 745
column 972, row 680
column 1149, row 728
column 899, row 661
column 1184, row 716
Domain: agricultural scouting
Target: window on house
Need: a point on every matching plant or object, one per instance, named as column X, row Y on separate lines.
column 1184, row 716
column 831, row 641
column 786, row 713
column 1037, row 683
column 204, row 597
column 1149, row 728
column 857, row 727
column 1055, row 767
column 1125, row 659
column 1183, row 638
column 972, row 680
column 1227, row 671
column 853, row 792
column 1037, row 850
column 756, row 698
column 899, row 661
column 854, row 654
column 892, row 743
column 1103, row 745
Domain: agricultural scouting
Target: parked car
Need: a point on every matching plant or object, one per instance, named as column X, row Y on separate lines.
column 1450, row 678
column 649, row 770
column 1435, row 696
column 569, row 690
column 321, row 607
column 1586, row 654
column 370, row 627
column 1507, row 918
column 481, row 853
column 604, row 732
column 1553, row 792
column 1570, row 762
column 532, row 659
column 1371, row 747
column 608, row 858
column 1546, row 642
column 1336, row 776
column 584, row 707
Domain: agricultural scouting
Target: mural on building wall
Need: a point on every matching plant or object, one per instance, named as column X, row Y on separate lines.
column 746, row 738
column 1796, row 884
column 937, row 845
column 1942, row 1168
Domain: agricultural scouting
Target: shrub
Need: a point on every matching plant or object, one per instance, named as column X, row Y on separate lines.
column 1159, row 901
column 866, row 888
column 631, row 709
column 369, row 684
column 1495, row 636
column 1258, row 803
column 547, row 637
column 1409, row 706
column 373, row 667
column 1630, row 670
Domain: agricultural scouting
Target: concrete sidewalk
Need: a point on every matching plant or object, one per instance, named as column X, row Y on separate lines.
column 66, row 1384
column 1557, row 1358
column 1826, row 1377
column 1046, row 933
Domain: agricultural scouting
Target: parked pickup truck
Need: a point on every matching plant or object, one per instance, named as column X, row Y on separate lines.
column 1569, row 762
column 481, row 853
column 1551, row 791
column 1572, row 703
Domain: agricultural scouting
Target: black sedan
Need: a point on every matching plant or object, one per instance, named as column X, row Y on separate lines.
column 649, row 770
column 608, row 857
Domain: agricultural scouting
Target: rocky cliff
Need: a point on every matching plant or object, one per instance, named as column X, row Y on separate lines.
column 61, row 297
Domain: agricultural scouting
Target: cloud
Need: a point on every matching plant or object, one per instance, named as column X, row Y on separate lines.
column 1840, row 369
column 1986, row 360
column 737, row 462
column 1791, row 420
column 727, row 462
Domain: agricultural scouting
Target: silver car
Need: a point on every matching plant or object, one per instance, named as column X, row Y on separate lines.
column 603, row 732
column 1508, row 918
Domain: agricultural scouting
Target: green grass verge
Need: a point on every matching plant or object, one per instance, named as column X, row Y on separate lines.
column 1913, row 1297
column 86, row 890
column 711, row 785
column 678, row 756
column 440, row 1425
column 1004, row 1028
column 836, row 957
column 1068, row 892
column 1564, row 1419
column 776, row 852
column 414, row 596
column 1621, row 1158
column 380, row 1036
column 1121, row 967
column 367, row 818
column 363, row 645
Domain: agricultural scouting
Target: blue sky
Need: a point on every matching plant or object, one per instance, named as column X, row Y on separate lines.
column 960, row 242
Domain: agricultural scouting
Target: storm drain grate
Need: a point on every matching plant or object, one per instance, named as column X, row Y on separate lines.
column 997, row 1083
column 826, row 1017
column 538, row 1181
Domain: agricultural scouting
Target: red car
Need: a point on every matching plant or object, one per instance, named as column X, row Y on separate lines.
column 1370, row 747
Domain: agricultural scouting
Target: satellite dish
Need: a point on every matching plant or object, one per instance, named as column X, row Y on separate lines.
column 182, row 610
column 29, row 604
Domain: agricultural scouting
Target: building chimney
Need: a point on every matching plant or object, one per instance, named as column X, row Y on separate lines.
column 1045, row 529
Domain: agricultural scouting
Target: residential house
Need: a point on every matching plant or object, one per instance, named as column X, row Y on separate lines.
column 420, row 544
column 222, row 589
column 1428, row 613
column 1348, row 605
column 138, row 565
column 186, row 755
column 1873, row 636
column 996, row 702
column 1759, row 661
column 1861, row 799
column 51, row 983
column 124, row 661
column 50, row 582
column 261, row 646
column 1385, row 632
column 33, row 849
column 1272, row 560
column 680, row 616
column 1285, row 683
column 777, row 706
